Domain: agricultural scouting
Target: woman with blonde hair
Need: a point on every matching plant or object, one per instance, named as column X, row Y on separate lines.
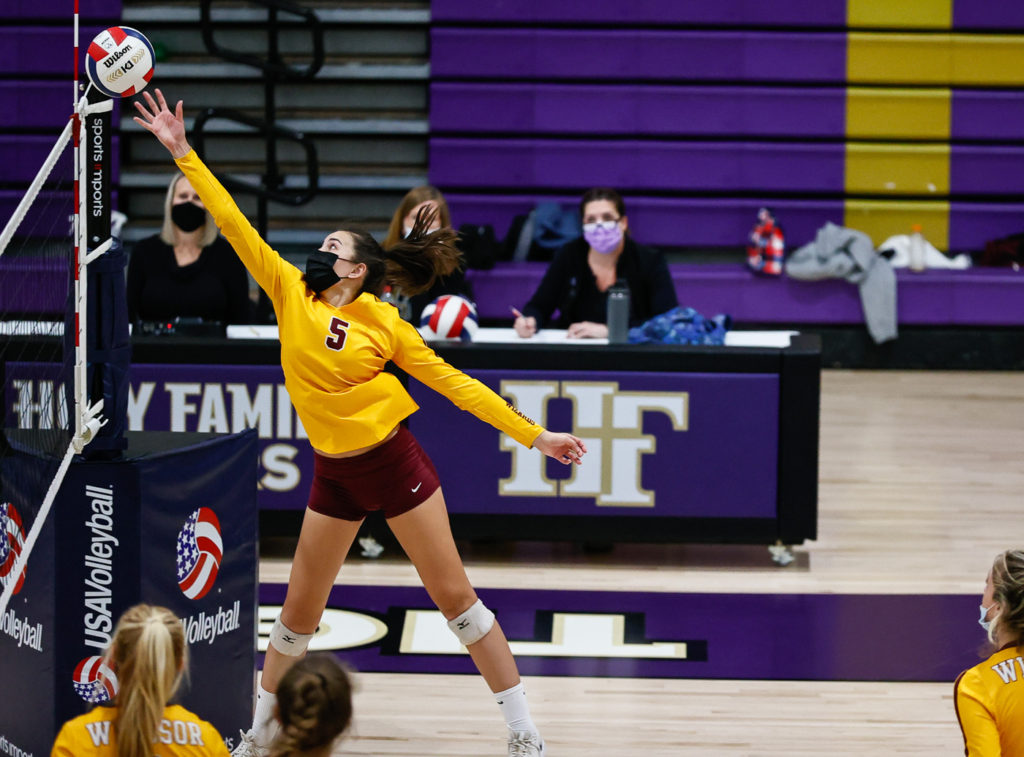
column 989, row 697
column 187, row 270
column 314, row 707
column 149, row 657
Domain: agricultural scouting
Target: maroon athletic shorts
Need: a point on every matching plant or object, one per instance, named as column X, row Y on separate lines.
column 394, row 478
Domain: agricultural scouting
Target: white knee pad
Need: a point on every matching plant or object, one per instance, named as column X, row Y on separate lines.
column 286, row 641
column 473, row 624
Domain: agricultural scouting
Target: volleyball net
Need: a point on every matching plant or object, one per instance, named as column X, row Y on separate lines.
column 46, row 246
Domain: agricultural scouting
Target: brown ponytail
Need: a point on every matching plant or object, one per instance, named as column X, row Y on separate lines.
column 412, row 264
column 149, row 655
column 314, row 703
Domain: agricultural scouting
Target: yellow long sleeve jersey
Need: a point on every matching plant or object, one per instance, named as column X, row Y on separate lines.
column 180, row 734
column 990, row 705
column 334, row 358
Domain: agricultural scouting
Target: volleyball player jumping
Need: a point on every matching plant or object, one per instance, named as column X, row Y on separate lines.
column 336, row 338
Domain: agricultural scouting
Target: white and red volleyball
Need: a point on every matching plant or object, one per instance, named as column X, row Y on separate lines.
column 449, row 317
column 200, row 549
column 94, row 681
column 120, row 61
column 12, row 541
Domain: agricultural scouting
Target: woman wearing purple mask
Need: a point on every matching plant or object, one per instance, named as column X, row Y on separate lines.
column 577, row 281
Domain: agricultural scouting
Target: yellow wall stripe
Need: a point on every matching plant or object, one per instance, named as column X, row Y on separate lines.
column 876, row 113
column 873, row 168
column 881, row 219
column 915, row 14
column 937, row 59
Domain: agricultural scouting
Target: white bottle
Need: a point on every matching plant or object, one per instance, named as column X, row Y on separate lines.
column 916, row 250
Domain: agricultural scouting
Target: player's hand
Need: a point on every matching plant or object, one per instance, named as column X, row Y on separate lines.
column 565, row 448
column 587, row 330
column 168, row 127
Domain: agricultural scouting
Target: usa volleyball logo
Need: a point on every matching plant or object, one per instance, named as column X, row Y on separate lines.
column 200, row 549
column 12, row 540
column 94, row 681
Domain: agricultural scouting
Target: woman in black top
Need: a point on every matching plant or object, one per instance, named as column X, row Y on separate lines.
column 187, row 270
column 577, row 281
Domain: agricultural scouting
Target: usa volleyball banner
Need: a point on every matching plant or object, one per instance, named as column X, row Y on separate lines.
column 174, row 523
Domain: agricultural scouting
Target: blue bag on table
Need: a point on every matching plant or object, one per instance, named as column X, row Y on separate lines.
column 681, row 326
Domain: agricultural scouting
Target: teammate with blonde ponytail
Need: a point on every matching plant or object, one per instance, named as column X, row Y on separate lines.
column 149, row 657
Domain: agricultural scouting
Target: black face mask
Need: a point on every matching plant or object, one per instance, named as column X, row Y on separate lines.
column 320, row 273
column 188, row 216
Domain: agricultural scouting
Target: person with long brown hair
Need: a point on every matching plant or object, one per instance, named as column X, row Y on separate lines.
column 149, row 656
column 337, row 337
column 314, row 707
column 989, row 697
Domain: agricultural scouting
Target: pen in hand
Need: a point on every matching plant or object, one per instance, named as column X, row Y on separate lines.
column 515, row 312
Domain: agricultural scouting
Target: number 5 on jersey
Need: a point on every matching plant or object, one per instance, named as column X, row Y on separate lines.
column 339, row 330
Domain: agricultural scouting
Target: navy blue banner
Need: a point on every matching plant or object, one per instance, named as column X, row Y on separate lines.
column 172, row 524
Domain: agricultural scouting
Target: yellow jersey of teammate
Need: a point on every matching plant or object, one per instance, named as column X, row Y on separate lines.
column 180, row 734
column 990, row 705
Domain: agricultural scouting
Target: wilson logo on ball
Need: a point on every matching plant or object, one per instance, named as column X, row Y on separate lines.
column 200, row 550
column 94, row 681
column 12, row 541
column 120, row 61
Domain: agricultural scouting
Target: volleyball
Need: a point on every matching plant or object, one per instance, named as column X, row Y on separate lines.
column 120, row 61
column 449, row 317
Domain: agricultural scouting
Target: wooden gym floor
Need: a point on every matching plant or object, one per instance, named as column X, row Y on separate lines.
column 921, row 479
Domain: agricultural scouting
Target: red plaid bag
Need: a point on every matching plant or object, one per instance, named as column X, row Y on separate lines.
column 766, row 246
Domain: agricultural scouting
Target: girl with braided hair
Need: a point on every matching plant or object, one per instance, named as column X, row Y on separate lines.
column 990, row 696
column 149, row 657
column 337, row 337
column 314, row 707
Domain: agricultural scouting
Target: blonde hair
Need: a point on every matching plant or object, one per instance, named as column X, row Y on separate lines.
column 149, row 655
column 1008, row 591
column 412, row 198
column 167, row 230
column 314, row 705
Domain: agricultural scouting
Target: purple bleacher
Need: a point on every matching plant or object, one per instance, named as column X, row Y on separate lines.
column 971, row 224
column 972, row 14
column 60, row 9
column 977, row 297
column 991, row 115
column 49, row 216
column 717, row 12
column 986, row 170
column 639, row 165
column 23, row 155
column 36, row 104
column 665, row 221
column 20, row 48
column 589, row 54
column 655, row 110
column 34, row 286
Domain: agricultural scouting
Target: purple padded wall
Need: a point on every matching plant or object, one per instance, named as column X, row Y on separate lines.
column 635, row 165
column 639, row 12
column 591, row 54
column 637, row 109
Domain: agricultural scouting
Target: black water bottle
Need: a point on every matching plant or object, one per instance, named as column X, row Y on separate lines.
column 618, row 313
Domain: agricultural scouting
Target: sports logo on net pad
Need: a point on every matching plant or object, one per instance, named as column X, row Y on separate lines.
column 199, row 551
column 94, row 681
column 12, row 541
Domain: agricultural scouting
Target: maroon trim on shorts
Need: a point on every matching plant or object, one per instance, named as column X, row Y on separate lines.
column 394, row 478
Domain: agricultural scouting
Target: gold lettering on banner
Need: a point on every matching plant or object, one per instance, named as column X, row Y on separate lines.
column 610, row 422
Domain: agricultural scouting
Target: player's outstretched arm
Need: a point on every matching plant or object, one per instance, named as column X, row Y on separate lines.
column 565, row 448
column 167, row 127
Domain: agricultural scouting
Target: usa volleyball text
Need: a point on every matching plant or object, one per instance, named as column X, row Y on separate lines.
column 22, row 631
column 203, row 627
column 99, row 562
